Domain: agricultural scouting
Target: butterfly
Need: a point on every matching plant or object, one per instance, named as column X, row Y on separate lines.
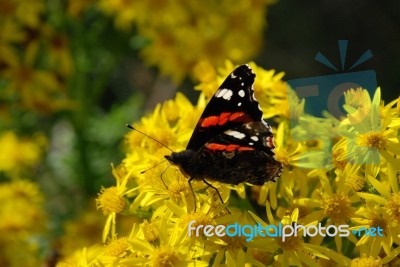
column 231, row 143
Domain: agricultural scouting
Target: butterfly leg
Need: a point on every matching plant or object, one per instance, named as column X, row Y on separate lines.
column 191, row 189
column 162, row 180
column 219, row 195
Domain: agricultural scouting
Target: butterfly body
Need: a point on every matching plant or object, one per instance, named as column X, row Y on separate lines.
column 231, row 142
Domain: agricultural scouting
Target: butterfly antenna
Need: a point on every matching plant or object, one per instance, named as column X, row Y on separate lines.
column 152, row 138
column 153, row 166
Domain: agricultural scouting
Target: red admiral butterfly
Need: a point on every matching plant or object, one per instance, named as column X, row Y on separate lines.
column 231, row 142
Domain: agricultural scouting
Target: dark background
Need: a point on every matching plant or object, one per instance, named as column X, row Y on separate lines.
column 297, row 30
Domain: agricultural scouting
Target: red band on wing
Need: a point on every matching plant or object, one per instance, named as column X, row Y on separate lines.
column 240, row 117
column 223, row 118
column 209, row 121
column 229, row 148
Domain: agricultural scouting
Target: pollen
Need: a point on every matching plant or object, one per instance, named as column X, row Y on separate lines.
column 176, row 188
column 109, row 200
column 234, row 242
column 150, row 231
column 379, row 222
column 373, row 140
column 199, row 217
column 165, row 257
column 338, row 207
column 393, row 207
column 291, row 243
column 117, row 248
column 365, row 261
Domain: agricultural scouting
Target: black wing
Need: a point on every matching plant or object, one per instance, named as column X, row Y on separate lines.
column 232, row 105
column 243, row 154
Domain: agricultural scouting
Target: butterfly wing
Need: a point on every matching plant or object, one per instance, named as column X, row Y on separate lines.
column 232, row 105
column 242, row 154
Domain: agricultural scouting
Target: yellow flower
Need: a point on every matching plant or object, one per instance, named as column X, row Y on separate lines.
column 294, row 251
column 367, row 261
column 368, row 134
column 22, row 223
column 166, row 252
column 18, row 154
column 183, row 33
column 26, row 12
column 88, row 256
column 381, row 210
column 111, row 200
column 11, row 32
column 311, row 190
column 376, row 261
column 24, row 201
column 336, row 203
column 37, row 90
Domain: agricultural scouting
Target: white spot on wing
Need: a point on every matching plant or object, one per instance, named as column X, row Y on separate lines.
column 235, row 134
column 255, row 138
column 228, row 95
column 239, row 104
column 241, row 93
column 220, row 92
column 233, row 76
column 224, row 93
column 251, row 143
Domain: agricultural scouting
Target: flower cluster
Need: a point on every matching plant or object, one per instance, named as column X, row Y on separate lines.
column 182, row 33
column 19, row 155
column 35, row 58
column 23, row 223
column 345, row 172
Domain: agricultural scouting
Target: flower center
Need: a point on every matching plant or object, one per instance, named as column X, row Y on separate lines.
column 378, row 222
column 373, row 140
column 338, row 207
column 393, row 207
column 292, row 243
column 199, row 218
column 365, row 261
column 176, row 188
column 117, row 248
column 234, row 242
column 165, row 257
column 109, row 200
